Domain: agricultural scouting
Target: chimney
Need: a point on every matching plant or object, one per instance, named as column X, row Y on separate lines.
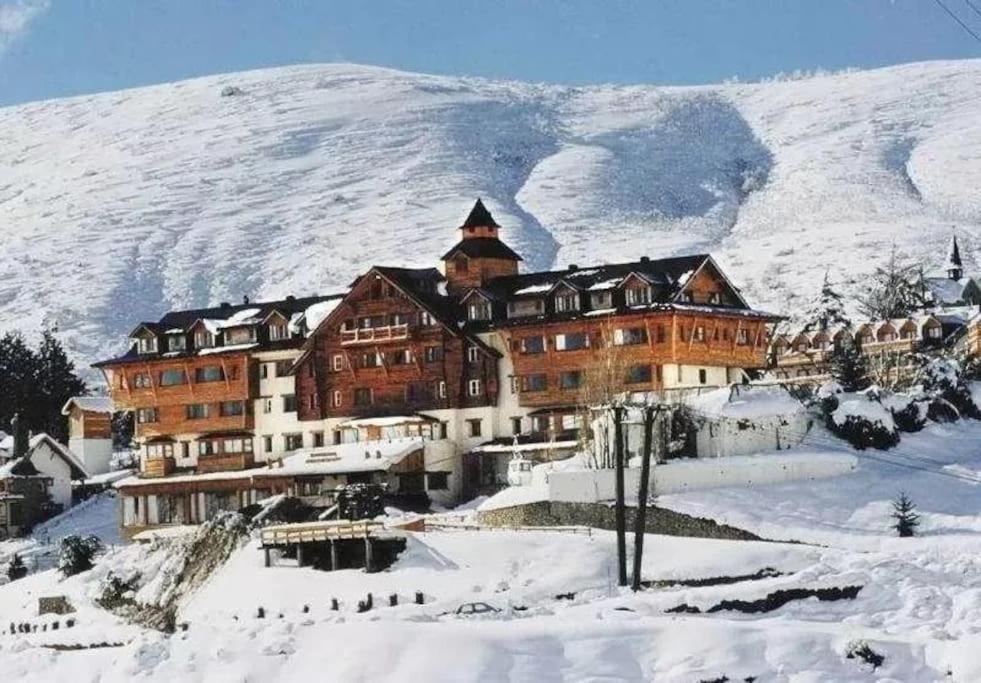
column 290, row 297
column 224, row 304
column 245, row 299
column 573, row 267
column 645, row 259
column 20, row 436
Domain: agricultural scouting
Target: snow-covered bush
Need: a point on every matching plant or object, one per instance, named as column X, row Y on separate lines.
column 950, row 396
column 16, row 568
column 860, row 649
column 909, row 414
column 231, row 91
column 76, row 554
column 861, row 420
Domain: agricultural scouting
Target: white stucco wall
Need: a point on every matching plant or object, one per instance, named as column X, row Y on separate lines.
column 95, row 454
column 727, row 437
column 49, row 463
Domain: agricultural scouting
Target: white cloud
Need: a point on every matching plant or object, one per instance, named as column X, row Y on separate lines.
column 15, row 17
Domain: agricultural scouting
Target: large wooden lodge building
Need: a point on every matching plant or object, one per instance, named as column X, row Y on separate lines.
column 239, row 401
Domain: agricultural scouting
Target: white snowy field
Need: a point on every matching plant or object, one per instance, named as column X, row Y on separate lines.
column 919, row 604
column 115, row 207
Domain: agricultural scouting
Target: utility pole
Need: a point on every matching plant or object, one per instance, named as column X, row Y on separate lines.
column 640, row 521
column 620, row 512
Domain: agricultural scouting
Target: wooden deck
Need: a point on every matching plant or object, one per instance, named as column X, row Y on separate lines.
column 312, row 532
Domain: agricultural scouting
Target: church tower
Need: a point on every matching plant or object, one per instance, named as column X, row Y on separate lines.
column 955, row 267
column 479, row 255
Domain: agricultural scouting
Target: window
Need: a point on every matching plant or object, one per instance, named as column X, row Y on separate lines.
column 566, row 302
column 402, row 357
column 293, row 442
column 240, row 335
column 337, row 362
column 362, row 396
column 426, row 319
column 318, row 439
column 525, row 307
column 473, row 354
column 437, row 481
column 441, row 389
column 715, row 298
column 934, row 332
column 197, row 411
column 267, row 406
column 629, row 336
column 540, row 423
column 141, row 380
column 638, row 373
column 601, row 300
column 371, row 359
column 283, row 368
column 515, row 425
column 699, row 334
column 571, row 342
column 532, row 345
column 537, row 382
column 702, row 376
column 289, row 403
column 169, row 378
column 267, row 444
column 638, row 296
column 146, row 415
column 176, row 342
column 444, row 429
column 432, row 354
column 479, row 309
column 474, row 387
column 263, row 370
column 742, row 337
column 212, row 373
column 204, row 339
column 336, row 398
column 231, row 408
column 571, row 379
column 147, row 344
column 278, row 331
column 160, row 450
column 687, row 297
column 236, row 445
column 473, row 427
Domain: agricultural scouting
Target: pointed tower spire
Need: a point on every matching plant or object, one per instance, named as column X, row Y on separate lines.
column 955, row 267
column 480, row 255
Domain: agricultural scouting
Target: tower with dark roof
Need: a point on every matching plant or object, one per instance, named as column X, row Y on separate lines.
column 479, row 255
column 955, row 267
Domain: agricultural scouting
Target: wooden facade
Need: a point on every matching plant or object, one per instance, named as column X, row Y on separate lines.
column 381, row 350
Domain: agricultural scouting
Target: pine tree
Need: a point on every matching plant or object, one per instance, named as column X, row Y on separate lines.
column 827, row 311
column 894, row 291
column 904, row 512
column 849, row 367
column 56, row 383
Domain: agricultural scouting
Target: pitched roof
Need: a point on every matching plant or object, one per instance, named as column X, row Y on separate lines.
column 92, row 404
column 24, row 467
column 954, row 255
column 479, row 217
column 483, row 247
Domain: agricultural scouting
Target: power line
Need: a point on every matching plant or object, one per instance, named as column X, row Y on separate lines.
column 956, row 18
column 973, row 7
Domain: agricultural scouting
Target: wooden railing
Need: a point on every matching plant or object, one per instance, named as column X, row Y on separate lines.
column 225, row 462
column 308, row 532
column 158, row 467
column 375, row 334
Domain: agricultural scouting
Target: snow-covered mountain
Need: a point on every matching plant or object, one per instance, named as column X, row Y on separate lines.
column 115, row 207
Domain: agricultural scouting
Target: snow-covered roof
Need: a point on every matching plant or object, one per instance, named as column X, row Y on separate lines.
column 78, row 470
column 523, row 447
column 227, row 349
column 745, row 403
column 92, row 404
column 387, row 421
column 107, row 477
column 363, row 456
column 535, row 289
column 946, row 290
column 318, row 312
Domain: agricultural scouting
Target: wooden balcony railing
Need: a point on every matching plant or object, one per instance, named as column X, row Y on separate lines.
column 225, row 462
column 375, row 334
column 158, row 467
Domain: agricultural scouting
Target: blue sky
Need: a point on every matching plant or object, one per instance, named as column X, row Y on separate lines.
column 52, row 48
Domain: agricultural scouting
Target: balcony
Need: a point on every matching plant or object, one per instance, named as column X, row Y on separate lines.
column 225, row 462
column 372, row 335
column 158, row 467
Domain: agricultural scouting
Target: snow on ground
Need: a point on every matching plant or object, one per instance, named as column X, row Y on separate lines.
column 118, row 206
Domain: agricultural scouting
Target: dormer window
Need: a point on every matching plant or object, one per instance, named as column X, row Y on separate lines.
column 479, row 309
column 176, row 342
column 600, row 300
column 278, row 331
column 240, row 335
column 525, row 307
column 146, row 344
column 715, row 298
column 204, row 339
column 638, row 295
column 566, row 301
column 687, row 298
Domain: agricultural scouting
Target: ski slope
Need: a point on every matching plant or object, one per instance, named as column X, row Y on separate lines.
column 118, row 206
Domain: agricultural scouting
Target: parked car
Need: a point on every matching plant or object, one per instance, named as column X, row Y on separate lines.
column 469, row 609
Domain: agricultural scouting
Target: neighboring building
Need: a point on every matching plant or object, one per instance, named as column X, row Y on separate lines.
column 90, row 431
column 462, row 360
column 35, row 482
column 954, row 288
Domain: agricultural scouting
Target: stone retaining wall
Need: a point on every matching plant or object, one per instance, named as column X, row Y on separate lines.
column 601, row 516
